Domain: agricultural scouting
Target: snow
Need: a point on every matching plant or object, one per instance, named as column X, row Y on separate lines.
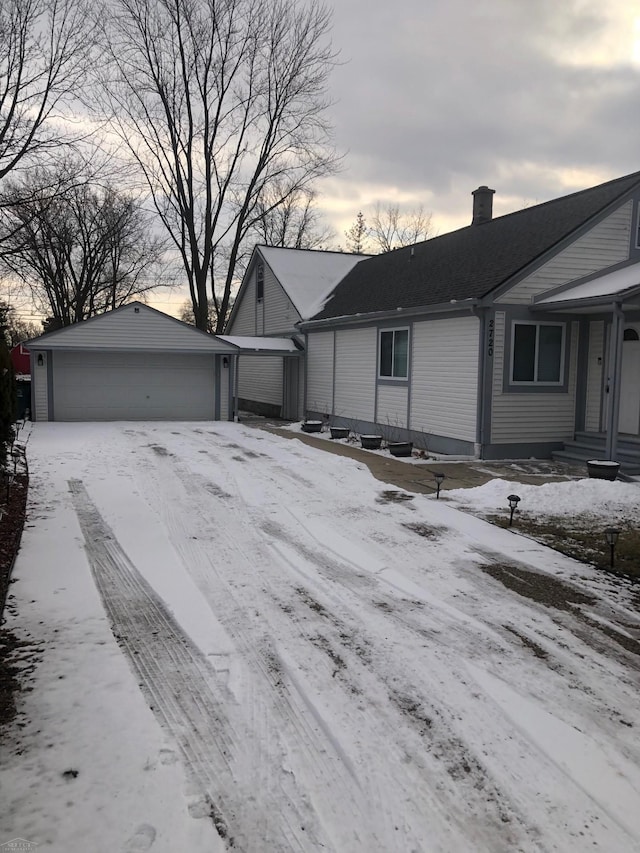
column 610, row 284
column 587, row 497
column 237, row 636
column 260, row 344
column 308, row 276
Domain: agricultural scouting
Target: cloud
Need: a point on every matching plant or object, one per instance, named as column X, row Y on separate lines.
column 437, row 97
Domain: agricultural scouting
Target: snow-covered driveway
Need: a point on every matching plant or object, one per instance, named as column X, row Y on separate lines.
column 246, row 643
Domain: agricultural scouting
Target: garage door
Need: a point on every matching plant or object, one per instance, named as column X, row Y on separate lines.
column 132, row 386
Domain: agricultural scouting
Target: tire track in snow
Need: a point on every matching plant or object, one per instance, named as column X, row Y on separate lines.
column 394, row 708
column 185, row 697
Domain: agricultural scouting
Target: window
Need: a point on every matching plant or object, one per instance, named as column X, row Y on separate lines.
column 260, row 282
column 537, row 353
column 394, row 354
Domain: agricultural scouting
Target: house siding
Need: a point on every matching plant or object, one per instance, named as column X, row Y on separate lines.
column 224, row 391
column 260, row 379
column 444, row 377
column 392, row 408
column 39, row 378
column 355, row 382
column 604, row 245
column 280, row 314
column 320, row 363
column 594, row 376
column 244, row 320
column 518, row 418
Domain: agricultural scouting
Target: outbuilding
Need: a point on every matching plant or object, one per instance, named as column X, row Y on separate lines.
column 133, row 363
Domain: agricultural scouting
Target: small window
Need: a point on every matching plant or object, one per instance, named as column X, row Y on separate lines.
column 630, row 335
column 260, row 282
column 394, row 354
column 537, row 353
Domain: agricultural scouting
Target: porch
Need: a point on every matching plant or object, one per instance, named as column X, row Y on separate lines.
column 593, row 445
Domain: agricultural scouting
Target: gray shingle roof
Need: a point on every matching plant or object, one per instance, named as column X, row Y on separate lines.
column 470, row 262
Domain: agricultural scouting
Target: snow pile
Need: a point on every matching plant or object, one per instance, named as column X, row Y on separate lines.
column 587, row 497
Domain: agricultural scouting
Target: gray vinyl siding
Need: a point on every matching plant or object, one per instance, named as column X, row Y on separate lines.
column 244, row 320
column 355, row 374
column 260, row 379
column 224, row 390
column 280, row 314
column 604, row 245
column 40, row 389
column 595, row 362
column 444, row 377
column 126, row 329
column 319, row 396
column 518, row 418
column 392, row 407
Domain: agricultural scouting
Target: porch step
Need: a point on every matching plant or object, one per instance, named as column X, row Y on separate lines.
column 586, row 446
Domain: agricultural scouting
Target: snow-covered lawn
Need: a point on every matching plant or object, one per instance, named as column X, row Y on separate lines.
column 242, row 642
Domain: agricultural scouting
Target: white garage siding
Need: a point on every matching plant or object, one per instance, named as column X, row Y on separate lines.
column 108, row 386
column 355, row 374
column 444, row 377
column 244, row 319
column 260, row 379
column 280, row 316
column 39, row 386
column 320, row 372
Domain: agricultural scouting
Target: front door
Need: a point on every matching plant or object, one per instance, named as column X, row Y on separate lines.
column 630, row 383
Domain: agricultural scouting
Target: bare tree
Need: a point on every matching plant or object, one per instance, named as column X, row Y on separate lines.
column 44, row 47
column 79, row 248
column 187, row 316
column 219, row 102
column 391, row 229
column 293, row 223
column 17, row 329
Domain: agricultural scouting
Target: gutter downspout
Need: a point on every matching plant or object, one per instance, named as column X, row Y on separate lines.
column 613, row 381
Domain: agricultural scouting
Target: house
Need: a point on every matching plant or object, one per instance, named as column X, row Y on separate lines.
column 509, row 338
column 135, row 363
column 280, row 288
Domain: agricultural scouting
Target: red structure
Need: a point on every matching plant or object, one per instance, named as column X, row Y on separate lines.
column 21, row 360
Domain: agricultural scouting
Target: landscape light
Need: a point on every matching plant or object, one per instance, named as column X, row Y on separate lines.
column 439, row 478
column 514, row 500
column 611, row 535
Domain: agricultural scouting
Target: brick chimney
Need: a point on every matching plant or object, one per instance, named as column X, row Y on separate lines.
column 482, row 205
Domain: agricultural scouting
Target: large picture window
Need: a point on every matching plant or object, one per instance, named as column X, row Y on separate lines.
column 394, row 354
column 537, row 353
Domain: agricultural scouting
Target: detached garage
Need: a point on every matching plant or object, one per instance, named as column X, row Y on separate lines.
column 134, row 363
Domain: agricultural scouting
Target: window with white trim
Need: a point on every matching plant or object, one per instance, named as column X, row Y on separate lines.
column 537, row 353
column 394, row 354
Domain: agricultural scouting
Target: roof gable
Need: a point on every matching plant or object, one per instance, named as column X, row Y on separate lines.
column 308, row 276
column 471, row 262
column 132, row 327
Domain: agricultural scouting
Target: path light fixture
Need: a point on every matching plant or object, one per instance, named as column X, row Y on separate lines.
column 514, row 500
column 611, row 535
column 439, row 478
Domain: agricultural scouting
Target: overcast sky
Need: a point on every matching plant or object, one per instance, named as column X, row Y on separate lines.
column 536, row 98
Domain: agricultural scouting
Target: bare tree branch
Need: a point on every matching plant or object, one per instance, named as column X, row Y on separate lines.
column 220, row 102
column 44, row 49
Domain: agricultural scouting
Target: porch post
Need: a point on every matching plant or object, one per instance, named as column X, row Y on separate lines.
column 615, row 370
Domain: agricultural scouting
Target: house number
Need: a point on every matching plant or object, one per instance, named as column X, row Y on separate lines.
column 490, row 344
